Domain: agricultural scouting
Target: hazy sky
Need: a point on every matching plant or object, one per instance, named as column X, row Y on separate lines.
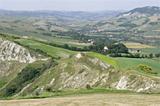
column 76, row 5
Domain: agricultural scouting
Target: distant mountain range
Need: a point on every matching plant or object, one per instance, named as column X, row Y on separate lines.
column 140, row 24
column 62, row 14
column 148, row 10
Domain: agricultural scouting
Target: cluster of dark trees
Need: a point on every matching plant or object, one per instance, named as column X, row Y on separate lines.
column 26, row 76
column 7, row 36
column 136, row 55
column 113, row 49
column 151, row 55
column 97, row 46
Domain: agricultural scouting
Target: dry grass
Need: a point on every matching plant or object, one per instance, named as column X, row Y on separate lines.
column 89, row 100
column 153, row 37
column 134, row 45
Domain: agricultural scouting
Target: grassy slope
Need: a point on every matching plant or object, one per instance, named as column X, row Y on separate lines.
column 104, row 58
column 131, row 63
column 53, row 51
column 126, row 64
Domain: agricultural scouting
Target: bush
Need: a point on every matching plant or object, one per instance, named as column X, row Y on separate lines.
column 157, row 55
column 48, row 88
column 151, row 55
column 146, row 69
column 88, row 86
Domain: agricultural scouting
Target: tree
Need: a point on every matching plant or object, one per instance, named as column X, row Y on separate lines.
column 150, row 55
column 157, row 55
column 118, row 48
column 66, row 46
column 88, row 86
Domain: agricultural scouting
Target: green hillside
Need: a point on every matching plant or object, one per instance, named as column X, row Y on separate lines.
column 50, row 55
column 50, row 50
column 129, row 64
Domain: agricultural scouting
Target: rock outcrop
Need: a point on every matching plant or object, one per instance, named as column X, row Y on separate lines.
column 10, row 51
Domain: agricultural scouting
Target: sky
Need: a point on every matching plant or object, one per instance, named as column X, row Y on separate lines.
column 76, row 5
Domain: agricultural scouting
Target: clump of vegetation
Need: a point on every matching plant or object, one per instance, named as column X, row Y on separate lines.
column 146, row 69
column 48, row 88
column 116, row 50
column 157, row 55
column 88, row 87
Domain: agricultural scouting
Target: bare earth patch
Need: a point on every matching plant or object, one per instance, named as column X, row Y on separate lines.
column 89, row 100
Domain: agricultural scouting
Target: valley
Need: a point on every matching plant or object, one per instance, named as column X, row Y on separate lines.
column 76, row 58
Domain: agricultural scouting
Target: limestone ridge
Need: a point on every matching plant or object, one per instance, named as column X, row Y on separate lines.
column 10, row 51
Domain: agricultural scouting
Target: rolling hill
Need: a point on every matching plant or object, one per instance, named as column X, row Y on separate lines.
column 32, row 66
column 59, row 71
column 139, row 25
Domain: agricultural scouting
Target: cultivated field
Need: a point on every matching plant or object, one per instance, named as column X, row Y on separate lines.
column 134, row 45
column 89, row 100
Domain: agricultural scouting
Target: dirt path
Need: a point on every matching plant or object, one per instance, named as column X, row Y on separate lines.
column 89, row 100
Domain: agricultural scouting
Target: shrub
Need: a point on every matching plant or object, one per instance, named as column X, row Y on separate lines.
column 37, row 93
column 151, row 55
column 88, row 86
column 48, row 88
column 157, row 55
column 146, row 69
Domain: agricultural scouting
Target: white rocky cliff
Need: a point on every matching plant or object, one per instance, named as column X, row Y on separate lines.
column 10, row 51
